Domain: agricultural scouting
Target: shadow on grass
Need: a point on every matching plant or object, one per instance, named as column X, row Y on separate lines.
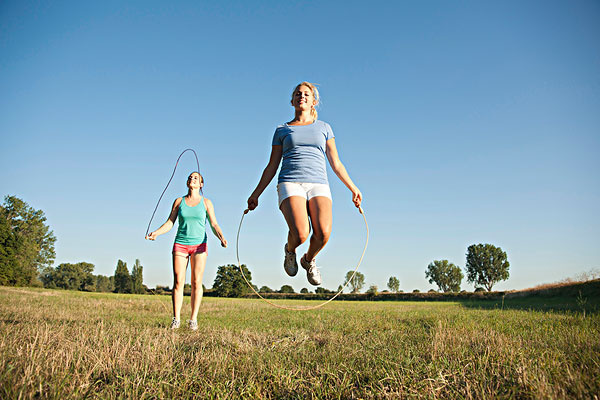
column 580, row 297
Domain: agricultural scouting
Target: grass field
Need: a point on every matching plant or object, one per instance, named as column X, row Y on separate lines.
column 59, row 344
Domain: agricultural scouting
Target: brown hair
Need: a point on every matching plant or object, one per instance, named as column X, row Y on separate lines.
column 196, row 172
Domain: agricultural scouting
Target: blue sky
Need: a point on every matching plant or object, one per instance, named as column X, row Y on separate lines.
column 461, row 122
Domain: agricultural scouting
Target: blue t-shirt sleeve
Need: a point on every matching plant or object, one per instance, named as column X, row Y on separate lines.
column 328, row 132
column 277, row 139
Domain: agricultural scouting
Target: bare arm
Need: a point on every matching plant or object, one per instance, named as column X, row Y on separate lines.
column 213, row 222
column 267, row 176
column 166, row 227
column 340, row 171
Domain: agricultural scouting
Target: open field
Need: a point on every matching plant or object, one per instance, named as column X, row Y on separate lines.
column 59, row 344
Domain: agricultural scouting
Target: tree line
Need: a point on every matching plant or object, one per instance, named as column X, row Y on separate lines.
column 79, row 276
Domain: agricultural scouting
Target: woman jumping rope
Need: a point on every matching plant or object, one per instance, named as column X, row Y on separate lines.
column 190, row 243
column 302, row 187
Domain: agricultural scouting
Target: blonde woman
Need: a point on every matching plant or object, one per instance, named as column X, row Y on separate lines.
column 191, row 211
column 303, row 189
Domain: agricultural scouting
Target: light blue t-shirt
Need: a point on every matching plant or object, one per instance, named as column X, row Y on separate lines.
column 303, row 152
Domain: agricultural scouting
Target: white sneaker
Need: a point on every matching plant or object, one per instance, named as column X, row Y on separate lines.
column 312, row 272
column 193, row 325
column 175, row 323
column 289, row 263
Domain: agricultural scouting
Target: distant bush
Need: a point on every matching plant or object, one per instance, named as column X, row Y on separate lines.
column 286, row 289
column 372, row 290
column 229, row 281
column 416, row 291
column 162, row 289
column 322, row 290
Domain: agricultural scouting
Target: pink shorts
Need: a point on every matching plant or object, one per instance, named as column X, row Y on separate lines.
column 189, row 248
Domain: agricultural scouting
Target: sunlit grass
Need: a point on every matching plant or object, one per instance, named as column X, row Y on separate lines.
column 58, row 344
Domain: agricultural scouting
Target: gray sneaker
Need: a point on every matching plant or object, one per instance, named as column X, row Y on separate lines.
column 175, row 323
column 312, row 272
column 193, row 325
column 289, row 263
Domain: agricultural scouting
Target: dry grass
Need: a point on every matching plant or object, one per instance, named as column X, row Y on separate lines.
column 586, row 276
column 57, row 344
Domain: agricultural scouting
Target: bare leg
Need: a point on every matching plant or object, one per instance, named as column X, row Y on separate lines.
column 296, row 216
column 179, row 266
column 321, row 218
column 198, row 262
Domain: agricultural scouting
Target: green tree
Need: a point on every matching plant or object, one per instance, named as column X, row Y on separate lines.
column 286, row 289
column 445, row 274
column 105, row 283
column 304, row 290
column 137, row 278
column 229, row 281
column 357, row 282
column 122, row 278
column 70, row 276
column 486, row 265
column 265, row 289
column 372, row 289
column 393, row 284
column 26, row 243
column 322, row 290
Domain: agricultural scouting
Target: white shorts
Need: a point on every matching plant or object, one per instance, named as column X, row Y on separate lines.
column 306, row 190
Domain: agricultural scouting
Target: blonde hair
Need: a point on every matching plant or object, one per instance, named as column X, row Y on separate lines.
column 313, row 87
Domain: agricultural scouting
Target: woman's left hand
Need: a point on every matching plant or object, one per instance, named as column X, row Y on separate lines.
column 223, row 242
column 356, row 197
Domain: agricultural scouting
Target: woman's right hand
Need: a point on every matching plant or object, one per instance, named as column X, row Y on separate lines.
column 151, row 236
column 252, row 202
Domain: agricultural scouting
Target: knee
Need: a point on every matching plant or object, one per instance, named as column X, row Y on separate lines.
column 301, row 235
column 178, row 282
column 197, row 284
column 322, row 236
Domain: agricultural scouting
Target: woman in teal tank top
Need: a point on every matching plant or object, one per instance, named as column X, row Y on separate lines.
column 191, row 212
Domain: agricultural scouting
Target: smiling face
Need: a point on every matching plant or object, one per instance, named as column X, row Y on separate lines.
column 303, row 98
column 195, row 181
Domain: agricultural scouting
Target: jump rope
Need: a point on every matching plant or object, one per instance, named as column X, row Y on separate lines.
column 168, row 183
column 237, row 244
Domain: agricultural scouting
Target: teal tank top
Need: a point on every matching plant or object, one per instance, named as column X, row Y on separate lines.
column 192, row 223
